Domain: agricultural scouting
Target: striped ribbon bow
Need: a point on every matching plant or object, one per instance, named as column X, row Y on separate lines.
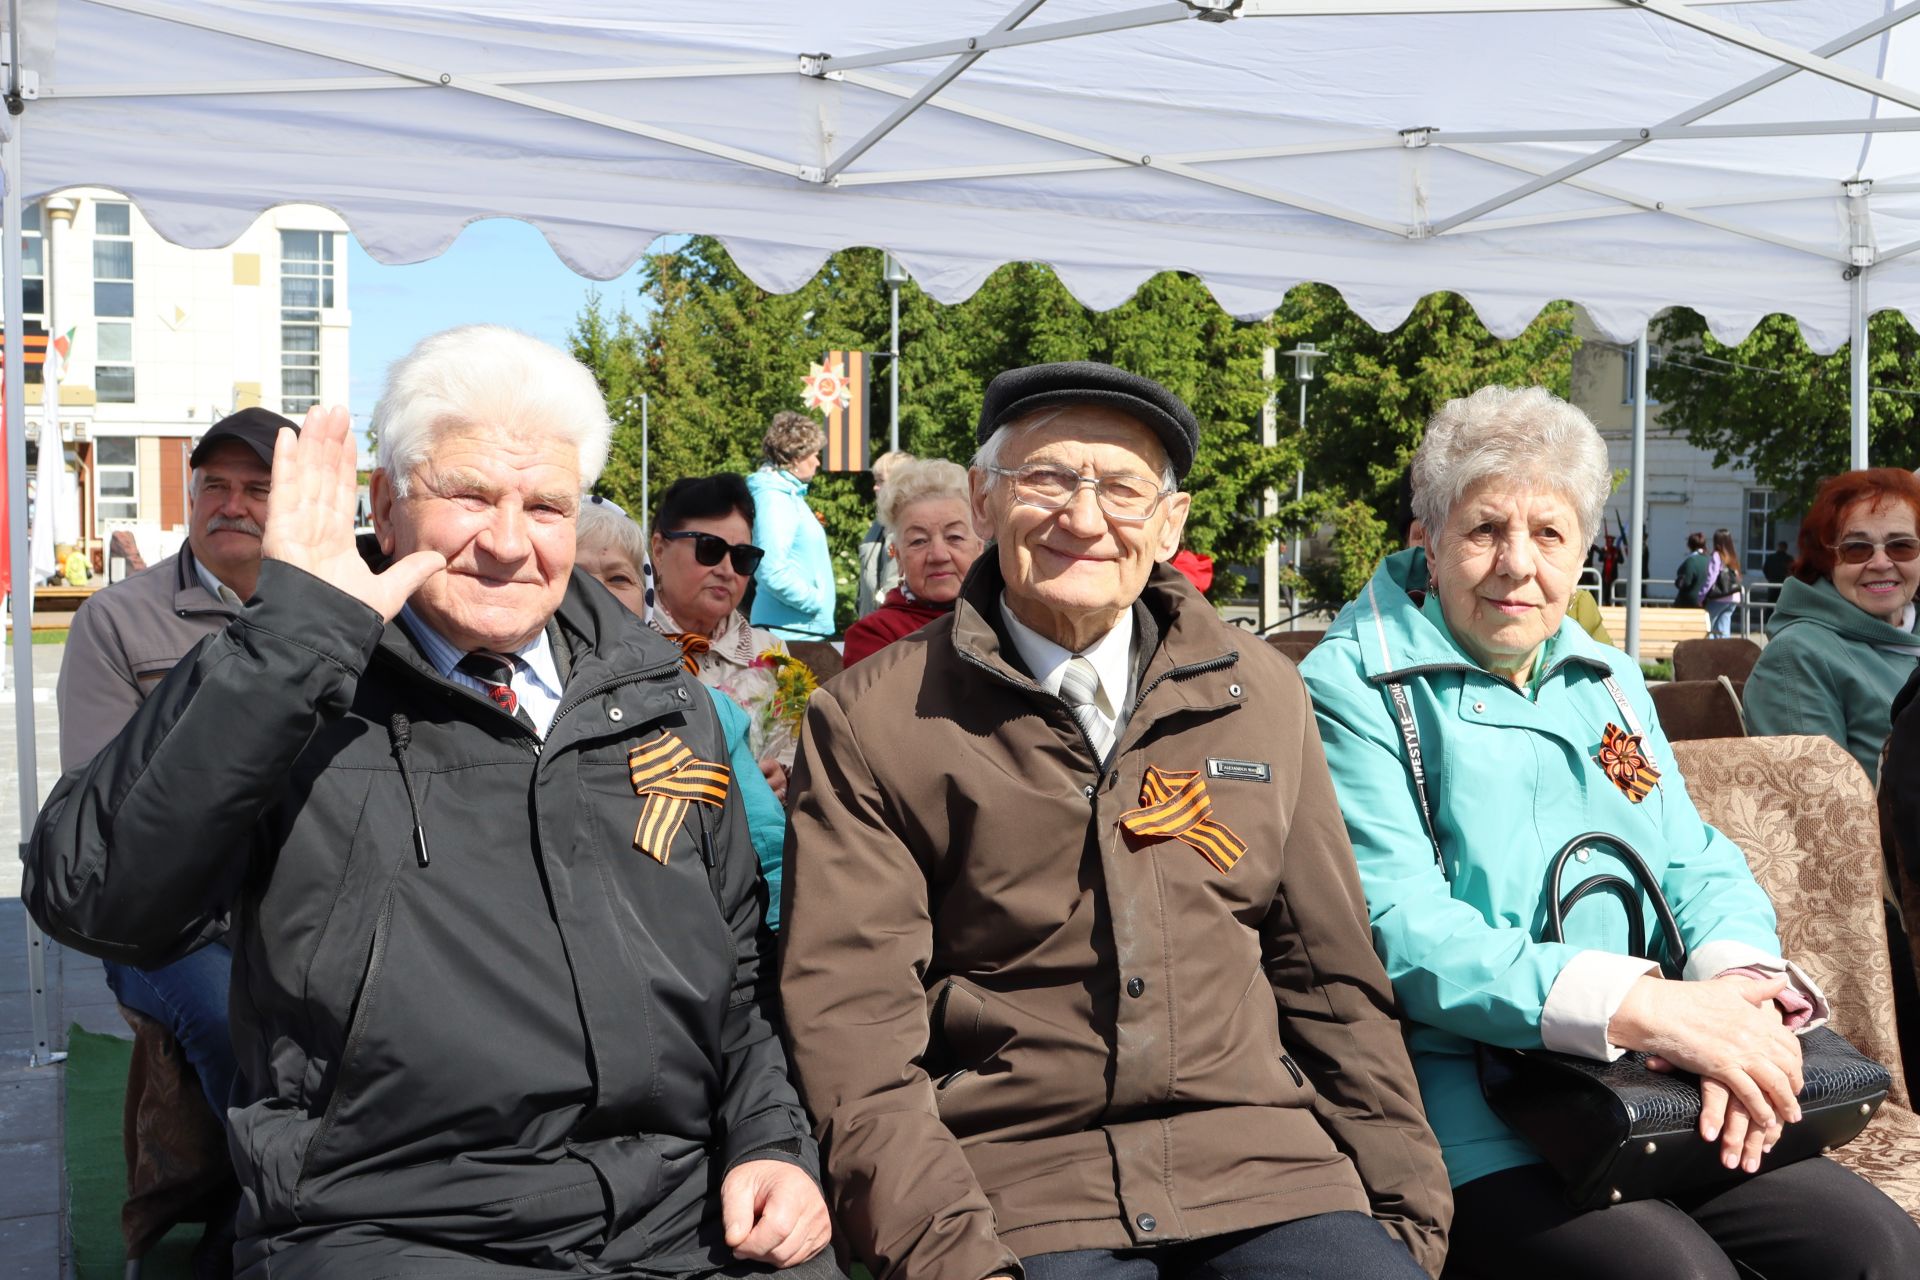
column 1175, row 804
column 669, row 777
column 1625, row 761
column 692, row 645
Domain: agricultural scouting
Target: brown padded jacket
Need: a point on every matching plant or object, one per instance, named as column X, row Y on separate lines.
column 1022, row 1029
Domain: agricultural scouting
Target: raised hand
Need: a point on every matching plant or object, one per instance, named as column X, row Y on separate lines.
column 310, row 516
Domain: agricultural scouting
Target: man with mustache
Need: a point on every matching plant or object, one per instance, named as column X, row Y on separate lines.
column 124, row 640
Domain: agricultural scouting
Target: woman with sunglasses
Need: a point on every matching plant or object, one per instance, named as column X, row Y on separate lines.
column 702, row 557
column 796, row 591
column 1841, row 640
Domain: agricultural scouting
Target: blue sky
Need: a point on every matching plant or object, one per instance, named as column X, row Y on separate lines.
column 498, row 271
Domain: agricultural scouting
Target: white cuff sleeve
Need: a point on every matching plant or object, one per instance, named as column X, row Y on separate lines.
column 1712, row 959
column 1584, row 999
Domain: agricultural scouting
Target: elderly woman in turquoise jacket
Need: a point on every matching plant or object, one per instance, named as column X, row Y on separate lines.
column 1513, row 703
column 794, row 588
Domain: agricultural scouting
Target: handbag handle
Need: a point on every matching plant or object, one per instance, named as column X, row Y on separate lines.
column 1558, row 906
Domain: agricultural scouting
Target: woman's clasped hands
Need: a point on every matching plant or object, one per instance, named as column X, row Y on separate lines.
column 1729, row 1032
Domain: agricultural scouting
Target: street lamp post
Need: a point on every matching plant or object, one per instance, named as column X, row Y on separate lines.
column 895, row 275
column 1303, row 357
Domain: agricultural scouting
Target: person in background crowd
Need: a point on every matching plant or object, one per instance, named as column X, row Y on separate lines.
column 930, row 535
column 879, row 571
column 795, row 592
column 703, row 558
column 1779, row 564
column 1050, row 1020
column 124, row 640
column 1841, row 640
column 1511, row 700
column 1721, row 592
column 609, row 548
column 499, row 995
column 1691, row 577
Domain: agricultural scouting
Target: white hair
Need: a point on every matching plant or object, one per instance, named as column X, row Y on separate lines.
column 486, row 375
column 917, row 481
column 987, row 456
column 1525, row 433
column 602, row 524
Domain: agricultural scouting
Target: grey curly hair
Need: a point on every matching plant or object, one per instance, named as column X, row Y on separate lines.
column 790, row 438
column 1523, row 432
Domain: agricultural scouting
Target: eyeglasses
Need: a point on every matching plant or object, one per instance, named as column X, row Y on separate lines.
column 708, row 549
column 1859, row 550
column 1127, row 498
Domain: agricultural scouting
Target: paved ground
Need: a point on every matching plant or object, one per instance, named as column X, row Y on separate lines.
column 33, row 1236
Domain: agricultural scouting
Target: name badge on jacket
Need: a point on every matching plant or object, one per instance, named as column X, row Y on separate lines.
column 1240, row 770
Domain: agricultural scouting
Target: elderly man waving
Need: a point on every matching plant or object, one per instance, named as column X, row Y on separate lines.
column 1076, row 970
column 497, row 992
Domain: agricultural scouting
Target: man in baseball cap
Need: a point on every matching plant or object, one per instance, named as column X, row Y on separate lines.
column 1076, row 964
column 124, row 640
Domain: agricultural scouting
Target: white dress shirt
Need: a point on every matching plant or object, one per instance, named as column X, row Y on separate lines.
column 1111, row 656
column 536, row 677
column 218, row 589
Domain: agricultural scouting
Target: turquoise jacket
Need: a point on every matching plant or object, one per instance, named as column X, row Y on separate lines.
column 1511, row 778
column 1830, row 668
column 766, row 818
column 793, row 597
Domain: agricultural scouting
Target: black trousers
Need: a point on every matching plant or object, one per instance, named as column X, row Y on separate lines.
column 1808, row 1221
column 1328, row 1246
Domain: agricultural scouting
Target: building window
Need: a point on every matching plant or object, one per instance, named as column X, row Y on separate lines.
column 116, row 470
column 1627, row 361
column 33, row 282
column 306, row 288
column 113, row 302
column 1760, row 528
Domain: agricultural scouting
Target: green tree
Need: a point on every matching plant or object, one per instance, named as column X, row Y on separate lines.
column 1771, row 403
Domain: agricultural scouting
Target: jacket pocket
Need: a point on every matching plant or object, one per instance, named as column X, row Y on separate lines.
column 956, row 1017
column 344, row 1078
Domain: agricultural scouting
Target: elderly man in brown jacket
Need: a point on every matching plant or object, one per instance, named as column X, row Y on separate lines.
column 1076, row 970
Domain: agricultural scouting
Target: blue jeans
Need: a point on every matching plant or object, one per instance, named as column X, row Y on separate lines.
column 189, row 998
column 1720, row 616
column 1328, row 1246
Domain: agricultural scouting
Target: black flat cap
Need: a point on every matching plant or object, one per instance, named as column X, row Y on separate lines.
column 1018, row 392
column 255, row 427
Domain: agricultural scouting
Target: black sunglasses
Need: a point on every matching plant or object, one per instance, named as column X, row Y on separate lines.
column 708, row 548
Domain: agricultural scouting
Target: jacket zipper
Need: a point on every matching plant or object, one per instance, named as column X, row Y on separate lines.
column 1293, row 1069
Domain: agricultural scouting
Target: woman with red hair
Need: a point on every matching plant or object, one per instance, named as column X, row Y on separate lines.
column 1841, row 641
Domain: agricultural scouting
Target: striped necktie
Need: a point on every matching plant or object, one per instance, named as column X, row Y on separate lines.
column 495, row 671
column 1079, row 686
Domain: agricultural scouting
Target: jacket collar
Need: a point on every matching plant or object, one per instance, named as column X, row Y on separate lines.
column 190, row 595
column 1397, row 639
column 596, row 641
column 1177, row 632
column 1821, row 603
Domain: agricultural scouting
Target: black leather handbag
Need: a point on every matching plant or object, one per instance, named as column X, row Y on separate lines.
column 1616, row 1131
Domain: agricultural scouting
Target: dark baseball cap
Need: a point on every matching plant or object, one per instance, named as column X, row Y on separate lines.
column 1017, row 392
column 256, row 427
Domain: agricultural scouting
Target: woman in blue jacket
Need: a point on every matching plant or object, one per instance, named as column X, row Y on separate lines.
column 1519, row 715
column 794, row 593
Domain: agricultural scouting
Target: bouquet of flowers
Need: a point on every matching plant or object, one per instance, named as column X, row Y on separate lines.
column 774, row 690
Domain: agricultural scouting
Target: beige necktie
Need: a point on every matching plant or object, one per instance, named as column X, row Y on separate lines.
column 1079, row 686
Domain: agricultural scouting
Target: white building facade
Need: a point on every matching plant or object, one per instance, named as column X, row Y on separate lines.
column 1686, row 493
column 167, row 341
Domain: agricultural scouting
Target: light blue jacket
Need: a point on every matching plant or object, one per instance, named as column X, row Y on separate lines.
column 794, row 596
column 766, row 818
column 1511, row 779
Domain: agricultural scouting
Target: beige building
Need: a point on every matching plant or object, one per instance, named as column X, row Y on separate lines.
column 1686, row 493
column 166, row 341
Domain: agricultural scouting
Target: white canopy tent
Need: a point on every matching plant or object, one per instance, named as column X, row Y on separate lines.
column 1631, row 155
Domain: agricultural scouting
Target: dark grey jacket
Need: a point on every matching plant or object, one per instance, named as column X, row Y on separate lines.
column 542, row 1047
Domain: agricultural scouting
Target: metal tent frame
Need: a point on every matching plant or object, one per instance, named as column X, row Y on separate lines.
column 893, row 83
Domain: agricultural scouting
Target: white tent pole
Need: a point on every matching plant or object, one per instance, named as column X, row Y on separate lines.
column 646, row 473
column 22, row 573
column 1637, row 496
column 1857, row 371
